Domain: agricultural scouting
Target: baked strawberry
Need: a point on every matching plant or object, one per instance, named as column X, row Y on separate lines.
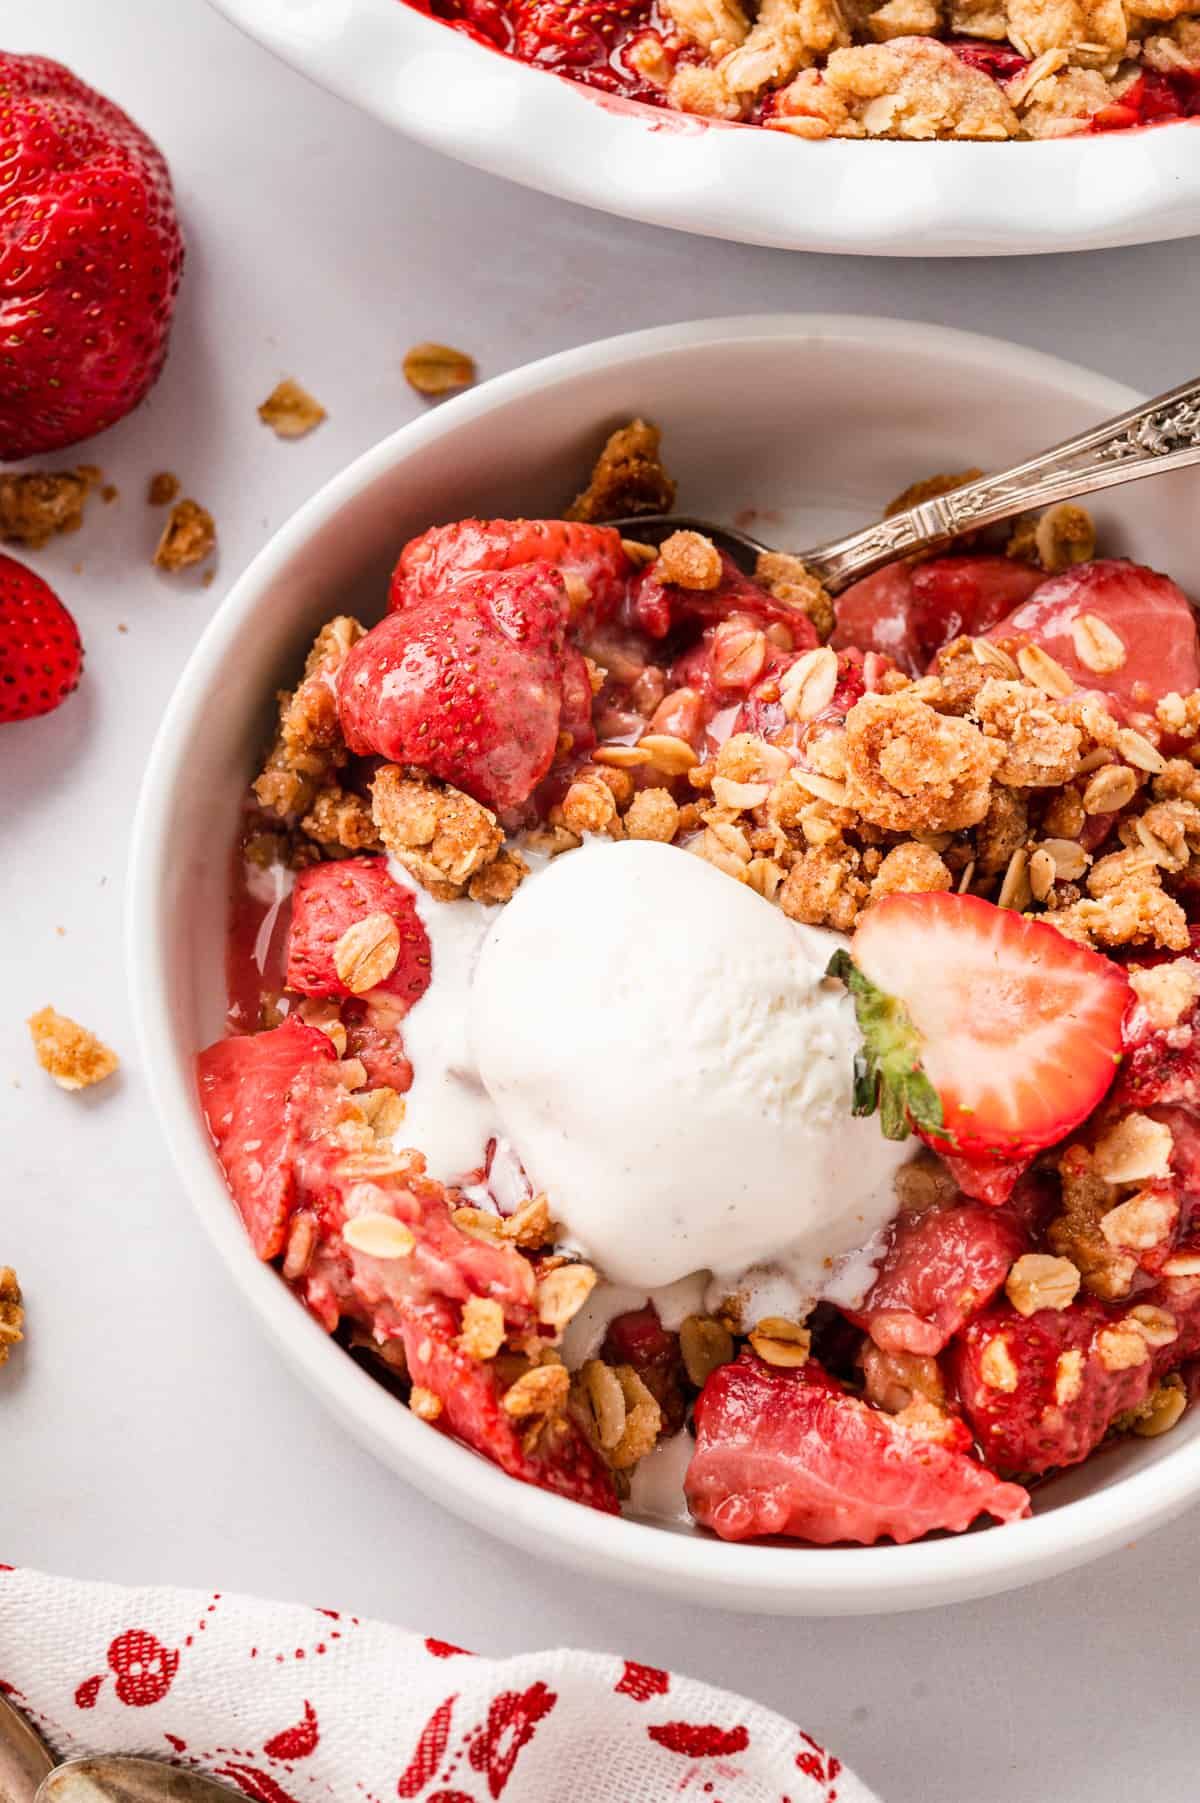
column 573, row 33
column 330, row 899
column 264, row 1095
column 939, row 1269
column 1153, row 99
column 909, row 611
column 441, row 1262
column 876, row 615
column 375, row 1036
column 988, row 1033
column 556, row 1458
column 1161, row 1064
column 996, row 60
column 640, row 1339
column 658, row 607
column 487, row 21
column 590, row 559
column 763, row 711
column 41, row 653
column 1146, row 622
column 90, row 258
column 791, row 1452
column 466, row 684
column 1041, row 1391
column 956, row 595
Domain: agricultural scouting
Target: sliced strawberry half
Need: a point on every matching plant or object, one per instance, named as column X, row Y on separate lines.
column 264, row 1095
column 989, row 1034
column 791, row 1452
column 1152, row 619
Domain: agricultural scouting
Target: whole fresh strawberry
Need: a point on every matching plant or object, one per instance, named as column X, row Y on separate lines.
column 41, row 654
column 90, row 256
column 467, row 684
column 989, row 1034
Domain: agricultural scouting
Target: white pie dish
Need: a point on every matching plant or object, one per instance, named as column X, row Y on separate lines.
column 752, row 186
column 841, row 412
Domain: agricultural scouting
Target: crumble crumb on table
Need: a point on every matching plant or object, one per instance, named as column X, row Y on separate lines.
column 71, row 1054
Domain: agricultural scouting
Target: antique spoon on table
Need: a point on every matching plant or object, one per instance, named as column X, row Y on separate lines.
column 1160, row 435
column 29, row 1773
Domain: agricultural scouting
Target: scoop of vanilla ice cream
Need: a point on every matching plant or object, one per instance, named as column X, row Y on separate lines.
column 663, row 1048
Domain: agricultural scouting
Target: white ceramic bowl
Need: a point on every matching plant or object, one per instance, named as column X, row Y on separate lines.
column 756, row 187
column 813, row 421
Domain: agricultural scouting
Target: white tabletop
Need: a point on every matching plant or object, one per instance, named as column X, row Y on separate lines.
column 156, row 1435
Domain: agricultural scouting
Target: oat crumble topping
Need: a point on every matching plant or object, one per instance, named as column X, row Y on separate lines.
column 437, row 369
column 443, row 838
column 290, row 411
column 38, row 503
column 189, row 536
column 162, row 488
column 12, row 1314
column 628, row 478
column 72, row 1055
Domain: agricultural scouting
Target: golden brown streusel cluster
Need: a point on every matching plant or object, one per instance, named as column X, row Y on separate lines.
column 880, row 68
column 189, row 536
column 987, row 776
column 38, row 503
column 71, row 1054
column 628, row 478
column 290, row 410
column 12, row 1313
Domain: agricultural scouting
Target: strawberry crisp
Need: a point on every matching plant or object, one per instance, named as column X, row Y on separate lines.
column 711, row 1047
column 980, row 69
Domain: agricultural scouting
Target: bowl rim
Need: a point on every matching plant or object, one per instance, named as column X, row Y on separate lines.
column 729, row 181
column 768, row 1579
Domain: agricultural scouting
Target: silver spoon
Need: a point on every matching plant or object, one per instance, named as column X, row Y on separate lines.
column 1160, row 435
column 29, row 1773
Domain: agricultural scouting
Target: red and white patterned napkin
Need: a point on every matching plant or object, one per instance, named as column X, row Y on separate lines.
column 286, row 1703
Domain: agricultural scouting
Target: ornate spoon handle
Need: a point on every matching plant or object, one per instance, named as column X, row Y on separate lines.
column 1161, row 435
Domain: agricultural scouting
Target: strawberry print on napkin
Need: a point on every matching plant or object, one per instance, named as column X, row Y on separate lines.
column 286, row 1703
